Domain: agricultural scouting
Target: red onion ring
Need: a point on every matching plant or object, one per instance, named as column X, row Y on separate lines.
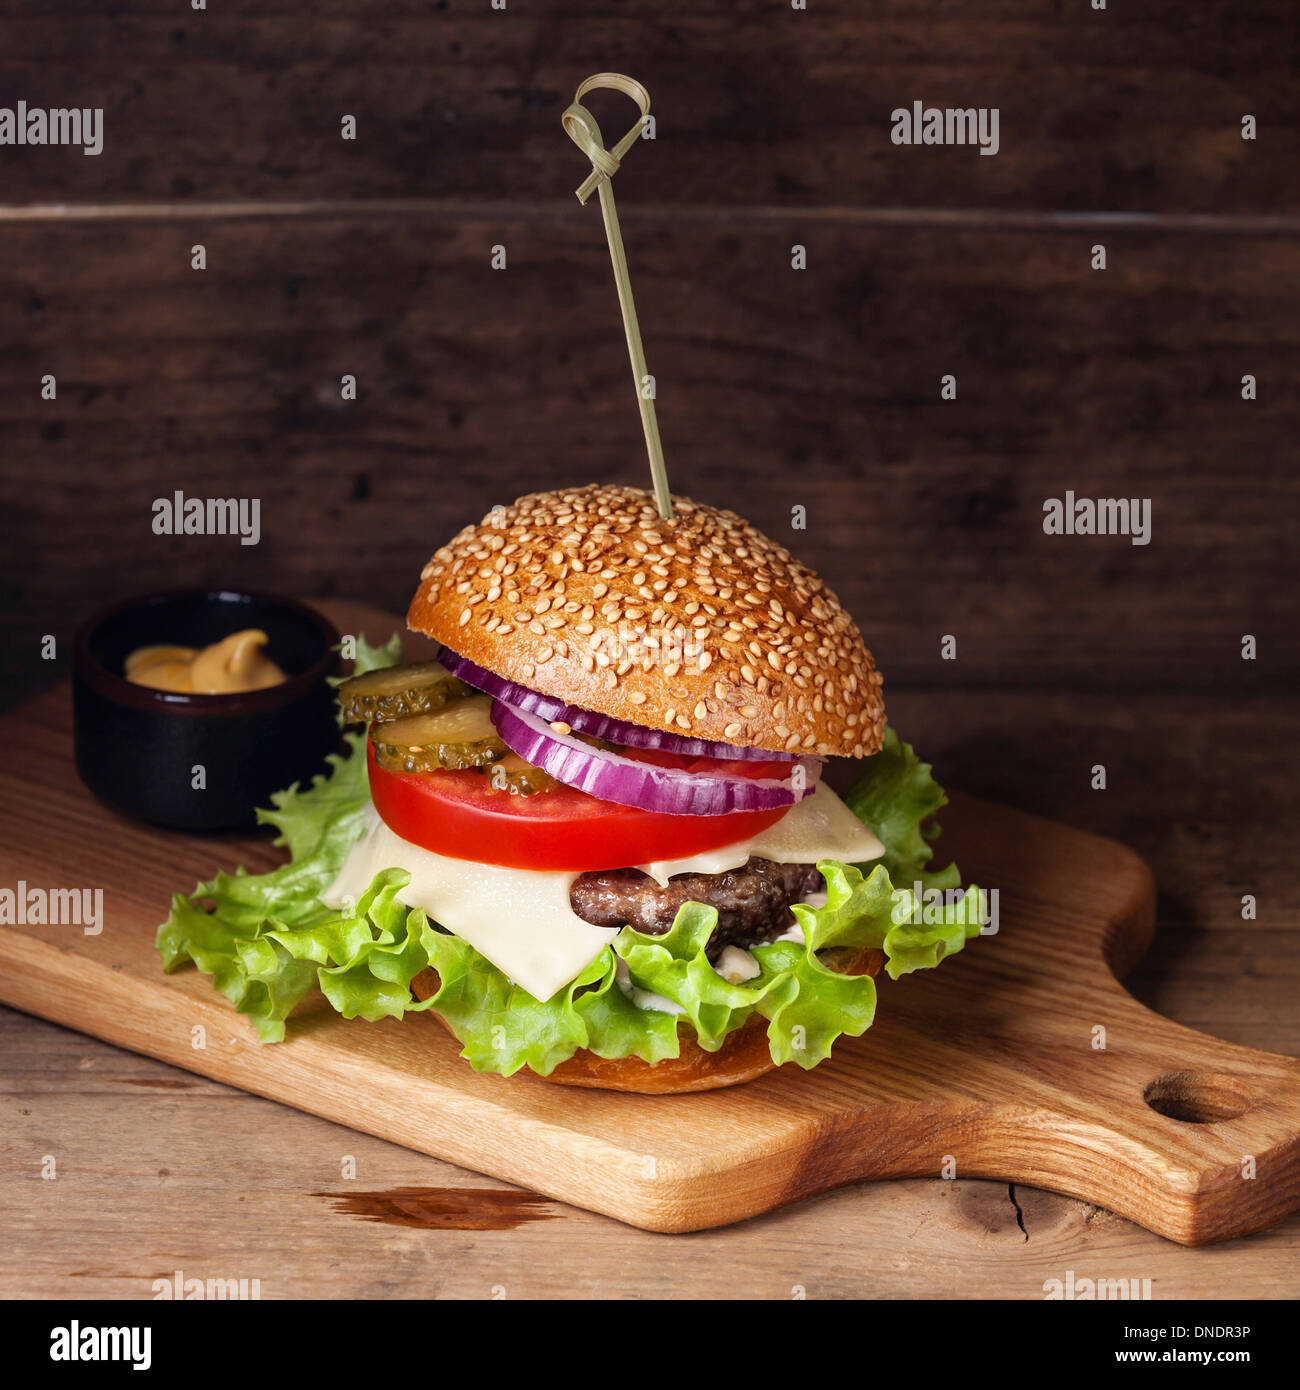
column 610, row 776
column 598, row 725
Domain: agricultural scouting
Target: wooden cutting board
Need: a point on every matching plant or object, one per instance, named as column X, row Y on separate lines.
column 1022, row 1059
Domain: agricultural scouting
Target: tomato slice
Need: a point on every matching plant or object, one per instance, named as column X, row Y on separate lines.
column 461, row 815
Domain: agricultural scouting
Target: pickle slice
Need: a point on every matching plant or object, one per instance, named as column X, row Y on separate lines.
column 459, row 735
column 395, row 692
column 512, row 774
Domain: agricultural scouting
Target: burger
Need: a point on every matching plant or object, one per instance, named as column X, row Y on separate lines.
column 592, row 838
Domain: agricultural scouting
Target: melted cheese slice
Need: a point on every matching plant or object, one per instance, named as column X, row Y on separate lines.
column 520, row 919
column 821, row 826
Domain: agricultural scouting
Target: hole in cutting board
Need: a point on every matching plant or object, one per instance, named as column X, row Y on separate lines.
column 1198, row 1097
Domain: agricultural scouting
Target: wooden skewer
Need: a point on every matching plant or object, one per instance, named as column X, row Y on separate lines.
column 580, row 126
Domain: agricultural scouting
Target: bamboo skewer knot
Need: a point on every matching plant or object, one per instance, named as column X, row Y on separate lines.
column 581, row 127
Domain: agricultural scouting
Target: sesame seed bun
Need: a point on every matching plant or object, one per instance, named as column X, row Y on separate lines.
column 744, row 1056
column 699, row 626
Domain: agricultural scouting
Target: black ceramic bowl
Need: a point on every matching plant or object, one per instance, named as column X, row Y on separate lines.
column 139, row 748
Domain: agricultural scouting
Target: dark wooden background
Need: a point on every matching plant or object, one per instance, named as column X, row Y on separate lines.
column 776, row 388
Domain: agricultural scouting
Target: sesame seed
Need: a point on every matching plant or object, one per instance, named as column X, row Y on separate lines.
column 778, row 638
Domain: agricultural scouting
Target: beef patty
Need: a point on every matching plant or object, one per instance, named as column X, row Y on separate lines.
column 753, row 901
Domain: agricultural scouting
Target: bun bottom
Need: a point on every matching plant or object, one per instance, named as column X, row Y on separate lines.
column 744, row 1056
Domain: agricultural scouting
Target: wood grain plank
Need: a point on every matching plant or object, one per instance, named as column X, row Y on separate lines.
column 139, row 1195
column 777, row 389
column 1130, row 108
column 123, row 1221
column 993, row 1062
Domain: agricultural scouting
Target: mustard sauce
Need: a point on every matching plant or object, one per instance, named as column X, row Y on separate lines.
column 235, row 664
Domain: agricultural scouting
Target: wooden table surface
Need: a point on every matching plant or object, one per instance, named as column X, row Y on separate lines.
column 777, row 389
column 159, row 1170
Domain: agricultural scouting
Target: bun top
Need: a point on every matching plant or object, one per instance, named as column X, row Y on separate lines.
column 699, row 626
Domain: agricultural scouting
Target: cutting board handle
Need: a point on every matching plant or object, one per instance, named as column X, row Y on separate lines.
column 1195, row 1138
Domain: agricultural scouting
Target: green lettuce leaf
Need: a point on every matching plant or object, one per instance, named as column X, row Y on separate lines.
column 267, row 940
column 896, row 796
column 674, row 965
column 232, row 939
column 616, row 1027
column 501, row 1025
